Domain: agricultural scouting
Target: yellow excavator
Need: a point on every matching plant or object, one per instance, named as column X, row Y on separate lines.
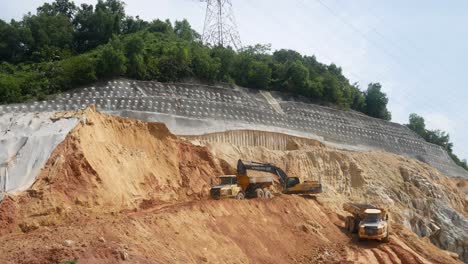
column 241, row 185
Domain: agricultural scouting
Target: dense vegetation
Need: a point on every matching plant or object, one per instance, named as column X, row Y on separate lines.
column 438, row 137
column 63, row 46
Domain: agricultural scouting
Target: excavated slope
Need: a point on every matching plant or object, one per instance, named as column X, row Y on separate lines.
column 417, row 195
column 119, row 190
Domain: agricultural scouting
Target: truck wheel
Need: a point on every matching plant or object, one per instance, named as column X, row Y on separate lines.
column 267, row 194
column 240, row 196
column 351, row 225
column 259, row 193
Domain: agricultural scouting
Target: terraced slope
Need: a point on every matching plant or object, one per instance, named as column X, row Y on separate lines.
column 189, row 109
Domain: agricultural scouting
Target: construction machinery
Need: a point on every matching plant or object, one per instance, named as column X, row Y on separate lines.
column 369, row 221
column 290, row 185
column 242, row 186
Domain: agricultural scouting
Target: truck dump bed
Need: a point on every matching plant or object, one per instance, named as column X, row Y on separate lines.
column 358, row 209
column 260, row 181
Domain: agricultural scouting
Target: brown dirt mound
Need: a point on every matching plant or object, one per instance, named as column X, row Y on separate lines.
column 129, row 191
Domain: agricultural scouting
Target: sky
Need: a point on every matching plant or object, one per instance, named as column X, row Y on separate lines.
column 416, row 49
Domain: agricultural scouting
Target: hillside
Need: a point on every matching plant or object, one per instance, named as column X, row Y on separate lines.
column 123, row 190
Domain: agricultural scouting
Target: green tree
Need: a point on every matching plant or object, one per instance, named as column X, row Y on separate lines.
column 376, row 102
column 111, row 60
column 296, row 78
column 77, row 70
column 133, row 25
column 15, row 41
column 417, row 124
column 58, row 7
column 164, row 27
column 95, row 26
column 284, row 56
column 184, row 31
column 134, row 49
column 226, row 58
column 259, row 75
column 10, row 91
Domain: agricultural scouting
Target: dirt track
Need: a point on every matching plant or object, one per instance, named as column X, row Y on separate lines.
column 286, row 229
column 129, row 191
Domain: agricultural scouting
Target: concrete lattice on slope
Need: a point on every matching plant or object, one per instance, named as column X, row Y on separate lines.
column 194, row 109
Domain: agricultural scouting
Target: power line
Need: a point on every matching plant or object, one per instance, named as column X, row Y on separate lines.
column 363, row 35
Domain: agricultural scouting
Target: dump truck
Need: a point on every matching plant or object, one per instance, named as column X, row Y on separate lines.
column 242, row 186
column 369, row 221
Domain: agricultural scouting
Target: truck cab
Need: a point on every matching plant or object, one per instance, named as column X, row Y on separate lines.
column 374, row 225
column 227, row 187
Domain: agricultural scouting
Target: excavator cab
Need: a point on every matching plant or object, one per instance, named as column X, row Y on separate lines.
column 293, row 181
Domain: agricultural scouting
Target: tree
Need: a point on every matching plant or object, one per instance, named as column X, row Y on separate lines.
column 226, row 58
column 58, row 7
column 10, row 91
column 111, row 60
column 157, row 25
column 417, row 124
column 259, row 75
column 376, row 102
column 331, row 88
column 134, row 49
column 440, row 138
column 184, row 31
column 15, row 41
column 296, row 77
column 95, row 26
column 203, row 65
column 77, row 70
column 133, row 25
column 284, row 55
column 358, row 99
column 51, row 34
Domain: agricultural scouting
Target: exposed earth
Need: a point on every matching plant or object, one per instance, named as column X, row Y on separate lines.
column 121, row 190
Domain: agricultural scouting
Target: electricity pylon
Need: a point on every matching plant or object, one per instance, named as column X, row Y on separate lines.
column 220, row 25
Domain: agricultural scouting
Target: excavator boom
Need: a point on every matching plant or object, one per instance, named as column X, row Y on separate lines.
column 290, row 185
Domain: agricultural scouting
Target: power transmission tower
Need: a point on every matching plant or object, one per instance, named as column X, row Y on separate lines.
column 220, row 25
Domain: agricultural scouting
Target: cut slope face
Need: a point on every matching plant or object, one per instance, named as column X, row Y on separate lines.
column 26, row 142
column 129, row 191
column 417, row 195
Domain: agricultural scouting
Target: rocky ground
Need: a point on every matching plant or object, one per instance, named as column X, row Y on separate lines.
column 120, row 190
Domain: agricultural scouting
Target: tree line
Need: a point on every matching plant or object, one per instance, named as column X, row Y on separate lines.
column 62, row 46
column 437, row 137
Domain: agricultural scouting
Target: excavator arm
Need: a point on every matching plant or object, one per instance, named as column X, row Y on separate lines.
column 290, row 185
column 243, row 166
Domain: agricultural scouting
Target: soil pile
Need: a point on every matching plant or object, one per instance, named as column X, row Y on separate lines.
column 120, row 190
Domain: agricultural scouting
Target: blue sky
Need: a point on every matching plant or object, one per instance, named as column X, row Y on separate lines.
column 416, row 49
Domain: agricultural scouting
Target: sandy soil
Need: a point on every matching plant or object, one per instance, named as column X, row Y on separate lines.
column 120, row 190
